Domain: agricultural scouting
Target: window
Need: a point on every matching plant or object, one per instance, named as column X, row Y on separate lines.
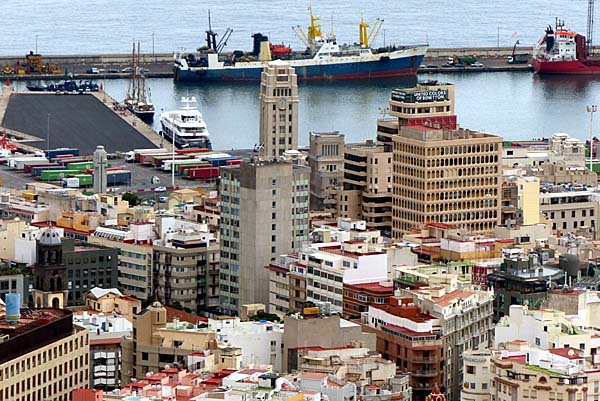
column 537, row 341
column 471, row 369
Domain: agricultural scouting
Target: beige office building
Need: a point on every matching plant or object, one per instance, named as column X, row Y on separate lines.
column 446, row 176
column 278, row 126
column 44, row 356
column 326, row 162
column 366, row 194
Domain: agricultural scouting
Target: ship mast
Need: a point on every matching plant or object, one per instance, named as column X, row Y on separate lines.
column 590, row 26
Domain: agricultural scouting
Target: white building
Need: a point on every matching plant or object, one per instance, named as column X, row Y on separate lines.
column 331, row 265
column 476, row 376
column 261, row 342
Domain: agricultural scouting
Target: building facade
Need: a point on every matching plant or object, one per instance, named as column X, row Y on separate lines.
column 48, row 359
column 278, row 124
column 326, row 162
column 264, row 213
column 186, row 271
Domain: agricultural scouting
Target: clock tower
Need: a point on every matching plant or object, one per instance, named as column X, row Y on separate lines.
column 278, row 109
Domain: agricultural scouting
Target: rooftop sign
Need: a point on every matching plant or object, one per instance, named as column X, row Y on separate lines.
column 420, row 96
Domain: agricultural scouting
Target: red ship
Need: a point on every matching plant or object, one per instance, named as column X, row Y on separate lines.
column 562, row 51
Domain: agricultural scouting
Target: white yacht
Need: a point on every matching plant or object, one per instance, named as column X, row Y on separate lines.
column 185, row 127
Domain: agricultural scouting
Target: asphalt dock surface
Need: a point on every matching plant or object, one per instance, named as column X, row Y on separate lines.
column 75, row 121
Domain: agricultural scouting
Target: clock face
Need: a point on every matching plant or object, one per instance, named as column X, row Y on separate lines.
column 282, row 103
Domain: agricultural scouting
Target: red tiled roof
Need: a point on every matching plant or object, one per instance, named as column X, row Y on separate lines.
column 311, row 375
column 184, row 316
column 375, row 286
column 568, row 352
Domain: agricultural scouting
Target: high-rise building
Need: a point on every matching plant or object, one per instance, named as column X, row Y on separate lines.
column 264, row 213
column 326, row 162
column 278, row 128
column 367, row 190
column 186, row 270
column 441, row 173
column 100, row 165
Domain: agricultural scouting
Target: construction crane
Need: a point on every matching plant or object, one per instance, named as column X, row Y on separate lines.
column 590, row 26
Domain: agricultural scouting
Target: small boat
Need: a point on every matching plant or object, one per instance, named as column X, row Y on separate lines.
column 185, row 127
column 66, row 86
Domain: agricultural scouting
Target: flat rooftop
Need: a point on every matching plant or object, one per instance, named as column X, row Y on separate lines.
column 76, row 121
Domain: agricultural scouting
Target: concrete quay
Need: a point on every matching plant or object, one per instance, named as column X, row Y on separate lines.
column 160, row 65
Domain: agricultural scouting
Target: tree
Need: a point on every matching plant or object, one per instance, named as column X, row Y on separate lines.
column 132, row 198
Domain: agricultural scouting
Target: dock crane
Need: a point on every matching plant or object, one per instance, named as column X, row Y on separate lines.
column 211, row 37
column 367, row 36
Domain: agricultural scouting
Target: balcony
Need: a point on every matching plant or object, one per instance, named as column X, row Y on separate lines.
column 425, row 359
column 425, row 373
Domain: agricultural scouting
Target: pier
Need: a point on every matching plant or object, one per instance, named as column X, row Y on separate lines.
column 160, row 65
column 82, row 121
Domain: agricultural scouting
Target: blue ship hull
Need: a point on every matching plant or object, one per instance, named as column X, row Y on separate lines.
column 385, row 67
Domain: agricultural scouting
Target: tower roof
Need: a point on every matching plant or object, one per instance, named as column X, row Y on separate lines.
column 50, row 237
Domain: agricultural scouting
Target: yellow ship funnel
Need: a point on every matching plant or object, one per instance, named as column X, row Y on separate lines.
column 265, row 51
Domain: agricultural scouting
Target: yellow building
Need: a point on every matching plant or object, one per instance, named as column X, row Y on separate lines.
column 529, row 199
column 46, row 360
column 111, row 300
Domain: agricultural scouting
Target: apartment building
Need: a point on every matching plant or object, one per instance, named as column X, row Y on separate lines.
column 264, row 213
column 412, row 339
column 331, row 266
column 465, row 321
column 134, row 244
column 326, row 162
column 569, row 207
column 43, row 356
column 476, row 376
column 155, row 342
column 186, row 270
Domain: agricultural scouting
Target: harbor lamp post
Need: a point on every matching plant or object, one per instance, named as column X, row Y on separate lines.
column 591, row 109
column 36, row 38
column 48, row 133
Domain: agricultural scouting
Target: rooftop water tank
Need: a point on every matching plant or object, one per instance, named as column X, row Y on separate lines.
column 13, row 307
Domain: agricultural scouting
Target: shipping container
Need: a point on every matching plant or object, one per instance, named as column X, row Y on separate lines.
column 57, row 175
column 191, row 151
column 80, row 166
column 146, row 158
column 137, row 155
column 166, row 165
column 71, row 182
column 182, row 167
column 235, row 162
column 72, row 159
column 206, row 173
column 85, row 180
column 213, row 156
column 37, row 171
column 157, row 161
column 222, row 161
column 61, row 151
column 120, row 177
column 19, row 162
column 28, row 166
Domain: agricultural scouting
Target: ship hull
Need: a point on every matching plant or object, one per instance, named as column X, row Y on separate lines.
column 565, row 67
column 368, row 69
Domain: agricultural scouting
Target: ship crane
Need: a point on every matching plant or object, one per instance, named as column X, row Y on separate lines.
column 590, row 26
column 366, row 36
column 301, row 35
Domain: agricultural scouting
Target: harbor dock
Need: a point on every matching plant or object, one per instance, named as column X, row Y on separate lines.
column 160, row 65
column 80, row 121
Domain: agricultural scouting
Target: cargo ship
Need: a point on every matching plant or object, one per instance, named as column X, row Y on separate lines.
column 563, row 51
column 323, row 59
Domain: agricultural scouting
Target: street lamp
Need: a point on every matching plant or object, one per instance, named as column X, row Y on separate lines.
column 36, row 38
column 591, row 109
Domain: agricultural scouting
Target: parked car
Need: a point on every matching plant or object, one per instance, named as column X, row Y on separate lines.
column 477, row 64
column 458, row 65
column 163, row 199
column 144, row 70
column 160, row 189
column 113, row 71
column 127, row 69
column 432, row 66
